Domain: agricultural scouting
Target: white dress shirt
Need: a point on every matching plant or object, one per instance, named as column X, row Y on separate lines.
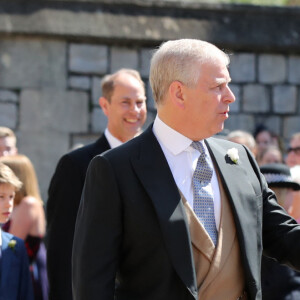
column 182, row 159
column 113, row 142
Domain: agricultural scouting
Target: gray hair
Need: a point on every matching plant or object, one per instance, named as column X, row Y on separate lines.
column 243, row 134
column 180, row 60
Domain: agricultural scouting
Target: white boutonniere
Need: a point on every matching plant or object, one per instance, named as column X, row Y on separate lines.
column 12, row 244
column 233, row 154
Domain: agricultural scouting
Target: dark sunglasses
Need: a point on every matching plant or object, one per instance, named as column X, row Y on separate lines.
column 296, row 150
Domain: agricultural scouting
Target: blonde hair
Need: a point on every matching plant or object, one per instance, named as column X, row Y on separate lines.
column 7, row 132
column 108, row 81
column 180, row 60
column 23, row 168
column 7, row 176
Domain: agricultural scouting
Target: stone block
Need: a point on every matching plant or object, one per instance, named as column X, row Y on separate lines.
column 88, row 59
column 284, row 99
column 294, row 69
column 8, row 115
column 270, row 121
column 256, row 98
column 272, row 68
column 99, row 120
column 150, row 119
column 242, row 67
column 32, row 63
column 122, row 57
column 79, row 82
column 96, row 90
column 54, row 110
column 240, row 122
column 44, row 149
column 236, row 105
column 151, row 106
column 291, row 125
column 6, row 95
column 146, row 55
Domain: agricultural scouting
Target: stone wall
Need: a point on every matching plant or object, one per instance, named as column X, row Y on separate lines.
column 53, row 55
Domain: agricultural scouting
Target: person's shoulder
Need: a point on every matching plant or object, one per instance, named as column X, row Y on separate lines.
column 14, row 242
column 85, row 153
column 30, row 202
column 128, row 149
column 225, row 143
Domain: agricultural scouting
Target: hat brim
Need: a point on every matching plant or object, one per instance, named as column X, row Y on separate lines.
column 286, row 184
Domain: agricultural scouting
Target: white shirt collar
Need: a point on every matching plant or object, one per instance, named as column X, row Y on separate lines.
column 113, row 141
column 174, row 141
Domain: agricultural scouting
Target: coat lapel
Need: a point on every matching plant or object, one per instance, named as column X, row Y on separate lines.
column 242, row 198
column 154, row 173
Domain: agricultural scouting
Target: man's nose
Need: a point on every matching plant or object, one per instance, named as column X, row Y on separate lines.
column 134, row 108
column 229, row 96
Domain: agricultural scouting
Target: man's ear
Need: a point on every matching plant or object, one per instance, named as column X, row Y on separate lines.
column 104, row 103
column 176, row 90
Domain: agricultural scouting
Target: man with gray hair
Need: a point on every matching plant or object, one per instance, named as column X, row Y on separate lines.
column 123, row 101
column 174, row 213
column 243, row 137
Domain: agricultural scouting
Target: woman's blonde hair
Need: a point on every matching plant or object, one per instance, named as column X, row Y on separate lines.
column 24, row 170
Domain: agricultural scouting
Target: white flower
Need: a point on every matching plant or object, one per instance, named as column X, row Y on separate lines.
column 233, row 155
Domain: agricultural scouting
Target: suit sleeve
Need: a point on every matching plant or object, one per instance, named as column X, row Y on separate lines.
column 280, row 232
column 98, row 234
column 62, row 206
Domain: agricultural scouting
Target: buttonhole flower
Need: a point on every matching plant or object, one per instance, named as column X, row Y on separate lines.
column 12, row 244
column 233, row 155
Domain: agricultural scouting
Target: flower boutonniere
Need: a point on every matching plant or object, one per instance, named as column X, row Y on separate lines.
column 233, row 154
column 12, row 244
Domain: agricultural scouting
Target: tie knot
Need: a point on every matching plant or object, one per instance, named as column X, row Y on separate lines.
column 198, row 146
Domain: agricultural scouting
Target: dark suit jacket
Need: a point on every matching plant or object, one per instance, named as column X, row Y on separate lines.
column 132, row 224
column 62, row 205
column 15, row 282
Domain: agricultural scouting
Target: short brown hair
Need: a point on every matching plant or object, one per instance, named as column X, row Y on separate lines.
column 9, row 177
column 108, row 81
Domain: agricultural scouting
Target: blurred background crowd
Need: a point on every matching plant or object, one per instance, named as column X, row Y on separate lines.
column 54, row 56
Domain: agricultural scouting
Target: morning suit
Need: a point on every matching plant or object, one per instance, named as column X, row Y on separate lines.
column 219, row 272
column 146, row 240
column 62, row 206
column 15, row 281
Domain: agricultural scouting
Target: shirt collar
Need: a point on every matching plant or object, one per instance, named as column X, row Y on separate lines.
column 113, row 141
column 174, row 141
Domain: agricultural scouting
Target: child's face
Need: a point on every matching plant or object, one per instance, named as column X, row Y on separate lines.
column 7, row 195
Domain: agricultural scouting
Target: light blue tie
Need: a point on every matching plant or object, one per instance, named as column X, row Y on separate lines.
column 203, row 200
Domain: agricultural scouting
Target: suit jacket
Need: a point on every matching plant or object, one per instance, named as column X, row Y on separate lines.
column 62, row 205
column 132, row 224
column 15, row 282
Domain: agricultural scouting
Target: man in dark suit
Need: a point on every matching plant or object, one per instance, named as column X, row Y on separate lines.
column 123, row 102
column 139, row 221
